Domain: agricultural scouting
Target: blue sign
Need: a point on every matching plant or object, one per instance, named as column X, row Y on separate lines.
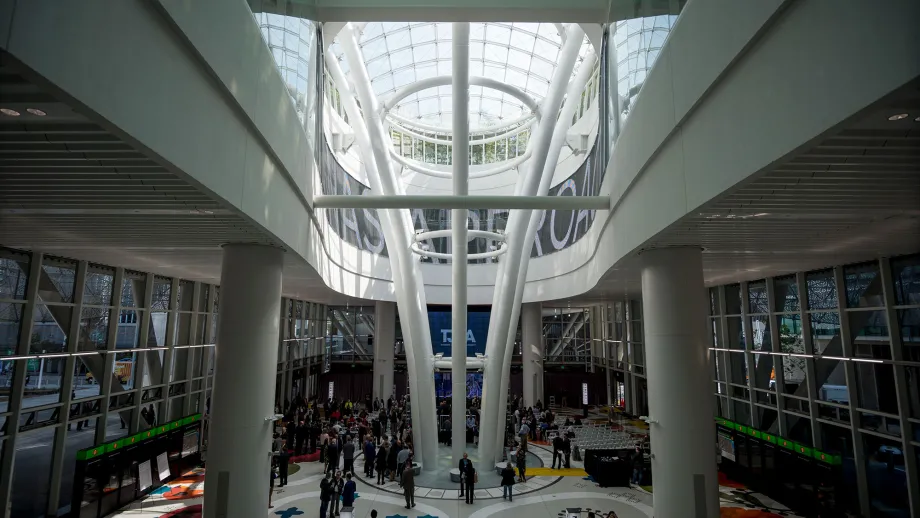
column 477, row 323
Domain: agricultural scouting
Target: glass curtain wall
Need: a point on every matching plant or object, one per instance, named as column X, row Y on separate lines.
column 90, row 353
column 829, row 359
column 140, row 353
column 301, row 349
column 567, row 334
column 622, row 351
column 293, row 42
column 351, row 333
column 632, row 47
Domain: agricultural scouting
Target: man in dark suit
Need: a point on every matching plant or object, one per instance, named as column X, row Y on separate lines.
column 375, row 425
column 558, row 449
column 332, row 455
column 284, row 458
column 301, row 436
column 467, row 477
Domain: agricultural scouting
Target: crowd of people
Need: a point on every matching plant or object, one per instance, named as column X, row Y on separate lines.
column 336, row 431
column 340, row 430
column 445, row 420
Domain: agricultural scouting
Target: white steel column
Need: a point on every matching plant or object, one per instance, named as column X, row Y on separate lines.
column 679, row 391
column 461, row 171
column 512, row 270
column 244, row 384
column 384, row 347
column 373, row 141
column 532, row 351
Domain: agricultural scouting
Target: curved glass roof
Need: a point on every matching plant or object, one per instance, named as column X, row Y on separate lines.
column 400, row 53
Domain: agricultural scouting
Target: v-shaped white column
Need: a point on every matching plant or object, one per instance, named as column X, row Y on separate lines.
column 397, row 226
column 512, row 271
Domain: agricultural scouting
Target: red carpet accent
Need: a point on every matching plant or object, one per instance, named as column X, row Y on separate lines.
column 310, row 457
column 727, row 482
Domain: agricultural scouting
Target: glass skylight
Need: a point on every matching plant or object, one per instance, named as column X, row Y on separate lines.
column 400, row 53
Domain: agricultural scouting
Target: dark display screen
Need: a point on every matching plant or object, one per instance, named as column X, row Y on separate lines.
column 477, row 324
column 443, row 388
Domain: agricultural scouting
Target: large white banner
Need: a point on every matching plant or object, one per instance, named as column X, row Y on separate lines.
column 558, row 229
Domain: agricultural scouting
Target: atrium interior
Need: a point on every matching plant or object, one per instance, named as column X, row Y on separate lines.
column 680, row 237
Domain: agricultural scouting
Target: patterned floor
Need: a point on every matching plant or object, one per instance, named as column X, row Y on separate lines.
column 543, row 496
column 182, row 499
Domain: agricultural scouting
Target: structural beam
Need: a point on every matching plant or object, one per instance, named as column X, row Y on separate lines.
column 377, row 201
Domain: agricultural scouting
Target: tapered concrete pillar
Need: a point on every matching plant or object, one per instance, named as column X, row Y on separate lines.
column 532, row 351
column 679, row 384
column 244, row 382
column 384, row 347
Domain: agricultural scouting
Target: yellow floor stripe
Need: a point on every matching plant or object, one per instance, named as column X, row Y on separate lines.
column 549, row 472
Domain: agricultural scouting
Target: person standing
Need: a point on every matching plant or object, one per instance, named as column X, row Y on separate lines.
column 470, row 485
column 338, row 485
column 314, row 434
column 638, row 462
column 407, row 481
column 325, row 494
column 370, row 455
column 465, row 465
column 567, row 450
column 332, row 455
column 348, row 451
column 348, row 491
column 521, row 460
column 381, row 463
column 284, row 457
column 401, row 459
column 290, row 432
column 466, row 476
column 557, row 451
column 391, row 460
column 507, row 482
column 301, row 435
column 524, row 433
column 323, row 447
column 375, row 426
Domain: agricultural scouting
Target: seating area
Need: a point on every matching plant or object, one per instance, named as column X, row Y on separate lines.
column 596, row 436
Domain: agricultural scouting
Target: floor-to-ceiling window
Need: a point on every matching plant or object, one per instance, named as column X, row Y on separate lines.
column 828, row 359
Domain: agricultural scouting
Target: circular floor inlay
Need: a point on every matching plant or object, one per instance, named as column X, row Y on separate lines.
column 437, row 484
